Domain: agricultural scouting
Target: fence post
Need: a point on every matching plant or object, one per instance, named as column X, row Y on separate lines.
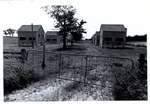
column 23, row 55
column 59, row 61
column 132, row 62
column 86, row 59
column 43, row 60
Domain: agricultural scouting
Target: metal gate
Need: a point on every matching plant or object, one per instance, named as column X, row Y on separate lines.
column 91, row 69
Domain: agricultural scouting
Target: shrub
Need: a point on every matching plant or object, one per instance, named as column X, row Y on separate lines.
column 20, row 79
column 130, row 84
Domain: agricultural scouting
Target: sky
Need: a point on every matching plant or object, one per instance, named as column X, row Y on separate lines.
column 132, row 13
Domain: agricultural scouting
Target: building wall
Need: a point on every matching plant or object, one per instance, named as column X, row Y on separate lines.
column 59, row 39
column 97, row 38
column 27, row 39
column 40, row 36
column 53, row 38
column 101, row 39
column 113, row 39
column 93, row 39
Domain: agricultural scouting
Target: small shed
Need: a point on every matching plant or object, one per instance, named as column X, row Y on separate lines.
column 52, row 37
column 96, row 38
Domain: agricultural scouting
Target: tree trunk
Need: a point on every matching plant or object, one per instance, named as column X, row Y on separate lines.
column 64, row 41
column 43, row 61
column 72, row 43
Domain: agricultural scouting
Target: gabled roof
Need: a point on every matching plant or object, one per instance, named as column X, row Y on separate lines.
column 113, row 27
column 52, row 33
column 29, row 28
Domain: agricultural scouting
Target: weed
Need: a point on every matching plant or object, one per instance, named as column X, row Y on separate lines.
column 128, row 85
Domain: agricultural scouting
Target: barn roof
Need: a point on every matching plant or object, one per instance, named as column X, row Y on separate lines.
column 29, row 28
column 52, row 33
column 113, row 27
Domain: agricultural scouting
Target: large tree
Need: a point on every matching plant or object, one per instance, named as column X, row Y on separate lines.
column 65, row 21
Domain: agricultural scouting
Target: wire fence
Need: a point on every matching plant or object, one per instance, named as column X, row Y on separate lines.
column 94, row 71
column 86, row 69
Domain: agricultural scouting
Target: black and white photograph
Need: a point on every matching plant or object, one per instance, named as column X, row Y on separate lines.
column 74, row 50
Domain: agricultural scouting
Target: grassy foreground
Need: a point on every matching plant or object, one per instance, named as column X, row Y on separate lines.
column 127, row 82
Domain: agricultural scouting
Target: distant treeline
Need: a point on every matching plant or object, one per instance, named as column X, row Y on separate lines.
column 137, row 38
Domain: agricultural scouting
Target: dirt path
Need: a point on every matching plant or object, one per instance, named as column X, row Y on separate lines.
column 52, row 89
column 59, row 90
column 91, row 50
column 39, row 91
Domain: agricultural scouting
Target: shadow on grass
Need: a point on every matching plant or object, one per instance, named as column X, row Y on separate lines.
column 72, row 86
column 71, row 48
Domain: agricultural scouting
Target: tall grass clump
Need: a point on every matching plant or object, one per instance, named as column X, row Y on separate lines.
column 130, row 84
column 18, row 78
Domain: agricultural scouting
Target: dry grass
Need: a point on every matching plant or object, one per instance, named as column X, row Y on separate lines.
column 18, row 75
column 130, row 84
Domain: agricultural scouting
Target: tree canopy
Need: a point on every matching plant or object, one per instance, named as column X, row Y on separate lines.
column 9, row 32
column 137, row 38
column 66, row 22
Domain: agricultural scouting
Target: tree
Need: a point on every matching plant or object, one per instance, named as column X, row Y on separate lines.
column 5, row 32
column 65, row 21
column 9, row 32
column 78, row 31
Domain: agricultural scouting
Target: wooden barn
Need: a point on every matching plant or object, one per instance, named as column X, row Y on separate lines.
column 30, row 35
column 52, row 37
column 112, row 35
column 96, row 38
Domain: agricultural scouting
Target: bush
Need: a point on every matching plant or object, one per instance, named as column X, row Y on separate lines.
column 130, row 84
column 20, row 79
